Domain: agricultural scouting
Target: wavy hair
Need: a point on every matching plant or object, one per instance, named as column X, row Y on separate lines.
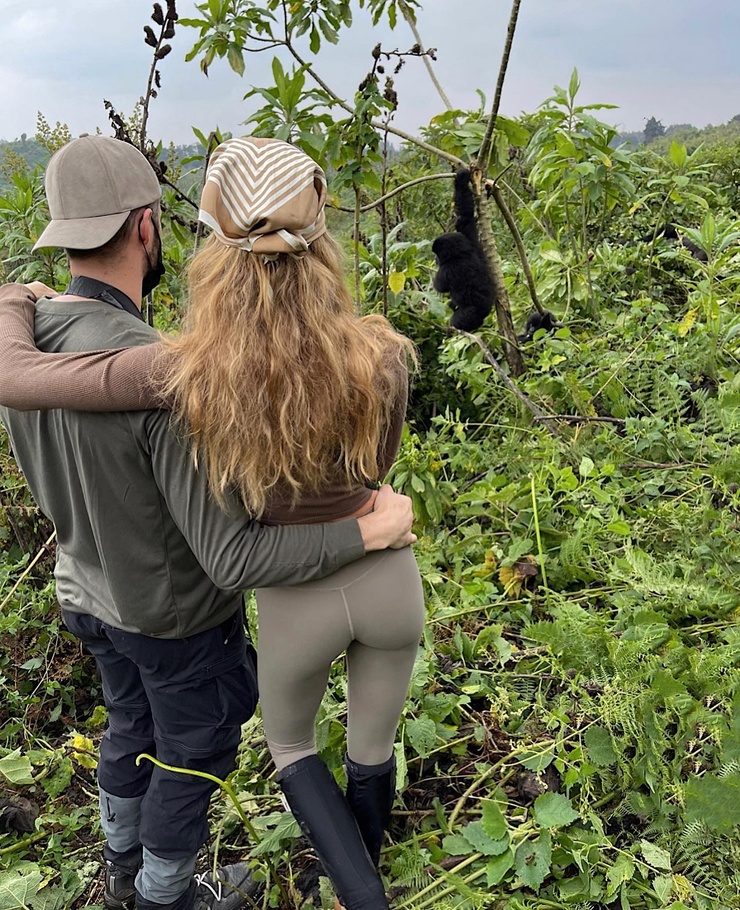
column 279, row 384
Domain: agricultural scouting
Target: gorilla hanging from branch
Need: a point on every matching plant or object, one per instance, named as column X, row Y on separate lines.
column 463, row 271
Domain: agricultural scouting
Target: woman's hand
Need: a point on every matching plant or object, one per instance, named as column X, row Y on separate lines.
column 39, row 289
column 389, row 524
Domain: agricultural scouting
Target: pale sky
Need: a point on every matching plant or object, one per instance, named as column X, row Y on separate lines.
column 676, row 60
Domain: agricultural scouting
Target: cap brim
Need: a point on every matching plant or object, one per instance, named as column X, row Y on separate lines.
column 81, row 233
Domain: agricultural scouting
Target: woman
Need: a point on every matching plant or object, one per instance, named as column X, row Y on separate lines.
column 288, row 397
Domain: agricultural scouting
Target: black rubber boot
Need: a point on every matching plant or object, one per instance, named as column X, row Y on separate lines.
column 370, row 791
column 319, row 807
column 231, row 888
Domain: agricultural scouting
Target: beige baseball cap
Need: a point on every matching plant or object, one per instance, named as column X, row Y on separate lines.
column 92, row 184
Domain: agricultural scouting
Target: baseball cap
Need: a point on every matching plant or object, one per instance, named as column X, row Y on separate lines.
column 92, row 184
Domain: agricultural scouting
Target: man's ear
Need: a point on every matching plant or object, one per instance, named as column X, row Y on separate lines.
column 147, row 230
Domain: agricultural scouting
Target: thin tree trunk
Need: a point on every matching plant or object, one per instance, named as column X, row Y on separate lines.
column 509, row 219
column 512, row 352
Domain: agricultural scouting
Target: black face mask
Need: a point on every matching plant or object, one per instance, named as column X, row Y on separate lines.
column 152, row 278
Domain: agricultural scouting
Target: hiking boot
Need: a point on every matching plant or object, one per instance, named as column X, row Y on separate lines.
column 230, row 888
column 120, row 888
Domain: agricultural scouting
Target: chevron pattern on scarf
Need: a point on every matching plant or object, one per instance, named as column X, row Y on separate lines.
column 264, row 196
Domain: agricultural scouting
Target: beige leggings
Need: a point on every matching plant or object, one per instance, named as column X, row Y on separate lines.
column 374, row 610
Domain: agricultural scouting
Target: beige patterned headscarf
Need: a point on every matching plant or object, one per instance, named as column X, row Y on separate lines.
column 264, row 195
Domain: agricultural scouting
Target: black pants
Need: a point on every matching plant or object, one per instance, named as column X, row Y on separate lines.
column 181, row 700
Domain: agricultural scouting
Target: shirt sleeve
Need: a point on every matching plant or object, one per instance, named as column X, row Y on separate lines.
column 115, row 380
column 392, row 440
column 237, row 552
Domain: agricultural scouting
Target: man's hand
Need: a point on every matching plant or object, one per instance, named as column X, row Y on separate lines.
column 39, row 289
column 389, row 525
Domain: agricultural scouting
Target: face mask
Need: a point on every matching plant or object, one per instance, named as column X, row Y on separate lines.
column 152, row 278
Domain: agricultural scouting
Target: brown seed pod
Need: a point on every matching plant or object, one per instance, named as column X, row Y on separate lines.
column 150, row 38
column 169, row 31
column 172, row 11
column 376, row 52
column 158, row 15
column 163, row 51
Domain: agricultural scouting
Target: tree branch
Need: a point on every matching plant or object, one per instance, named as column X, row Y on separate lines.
column 486, row 148
column 509, row 383
column 407, row 137
column 409, row 17
column 519, row 243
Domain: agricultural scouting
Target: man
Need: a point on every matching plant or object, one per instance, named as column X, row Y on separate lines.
column 149, row 571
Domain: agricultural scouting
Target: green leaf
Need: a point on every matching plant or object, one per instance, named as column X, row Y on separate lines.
column 457, row 845
column 574, row 84
column 663, row 886
column 714, row 801
column 19, row 886
column 599, row 747
column 477, row 838
column 553, row 810
column 493, row 821
column 619, row 527
column 621, row 872
column 421, row 733
column 533, row 861
column 16, row 769
column 236, row 58
column 678, row 154
column 586, row 467
column 498, row 867
column 655, row 856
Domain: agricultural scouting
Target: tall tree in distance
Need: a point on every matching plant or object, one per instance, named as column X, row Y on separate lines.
column 653, row 130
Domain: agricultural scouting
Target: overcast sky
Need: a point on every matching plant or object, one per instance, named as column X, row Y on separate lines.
column 676, row 60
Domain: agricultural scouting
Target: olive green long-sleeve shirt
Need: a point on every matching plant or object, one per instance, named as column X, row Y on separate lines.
column 141, row 543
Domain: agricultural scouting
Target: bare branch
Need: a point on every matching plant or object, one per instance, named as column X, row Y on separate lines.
column 408, row 16
column 519, row 243
column 486, row 148
column 539, row 415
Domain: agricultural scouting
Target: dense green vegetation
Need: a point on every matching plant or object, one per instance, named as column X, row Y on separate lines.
column 572, row 735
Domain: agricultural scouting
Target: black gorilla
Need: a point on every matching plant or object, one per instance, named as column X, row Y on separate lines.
column 536, row 320
column 669, row 232
column 463, row 271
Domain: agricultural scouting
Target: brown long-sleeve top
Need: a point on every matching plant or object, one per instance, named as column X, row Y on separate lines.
column 120, row 380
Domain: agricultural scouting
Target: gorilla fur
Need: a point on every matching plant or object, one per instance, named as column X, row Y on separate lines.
column 463, row 272
column 537, row 320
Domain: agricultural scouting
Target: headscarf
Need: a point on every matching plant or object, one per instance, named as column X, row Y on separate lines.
column 264, row 196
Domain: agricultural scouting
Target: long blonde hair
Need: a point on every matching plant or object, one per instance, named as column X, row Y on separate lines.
column 278, row 382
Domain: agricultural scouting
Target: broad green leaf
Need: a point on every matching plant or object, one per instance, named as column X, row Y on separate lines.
column 678, row 154
column 655, row 855
column 457, row 845
column 477, row 837
column 421, row 733
column 599, row 746
column 19, row 886
column 493, row 821
column 714, row 801
column 396, row 281
column 621, row 872
column 586, row 467
column 619, row 527
column 533, row 859
column 16, row 769
column 553, row 810
column 235, row 57
column 663, row 886
column 498, row 866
